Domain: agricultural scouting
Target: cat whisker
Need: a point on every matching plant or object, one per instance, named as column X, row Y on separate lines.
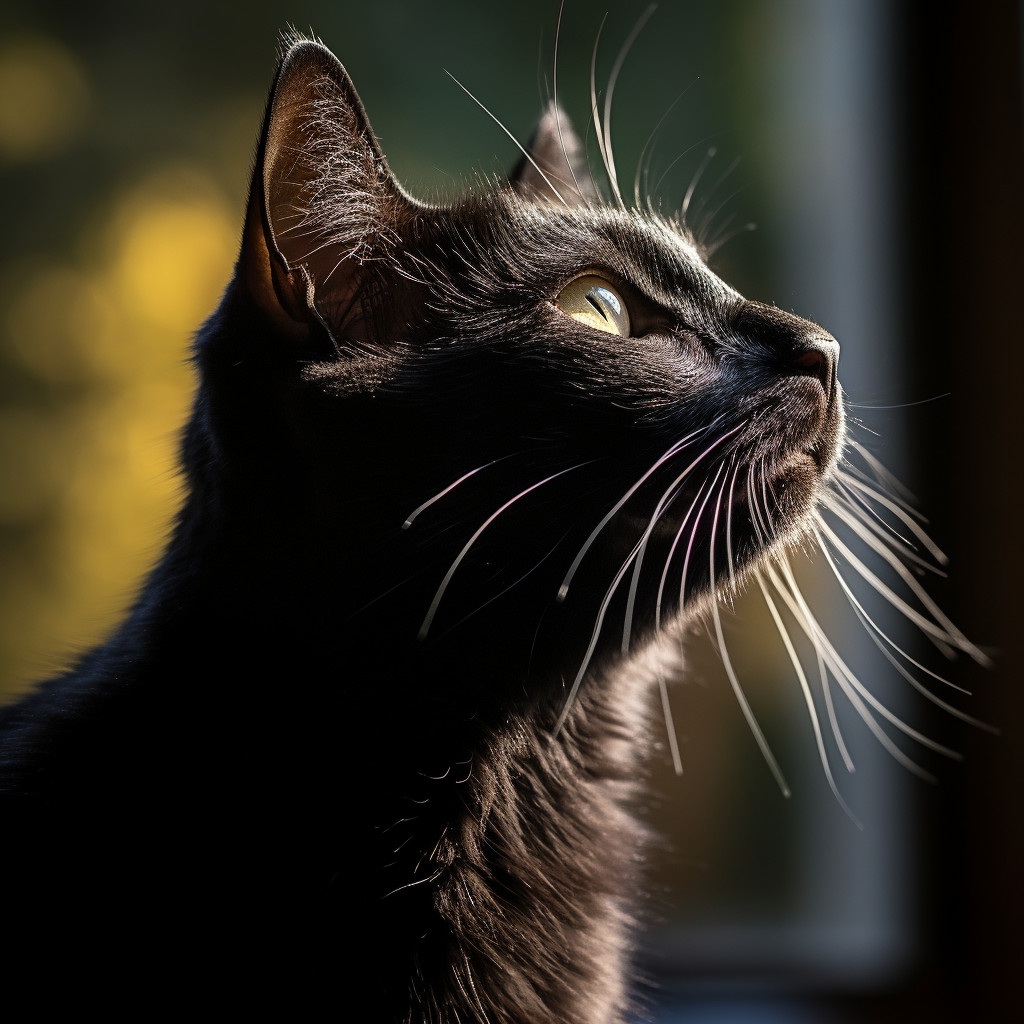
column 741, row 697
column 710, row 248
column 812, row 710
column 939, row 628
column 451, row 487
column 881, row 639
column 677, row 447
column 922, row 689
column 663, row 504
column 693, row 537
column 505, row 590
column 810, row 628
column 762, row 531
column 432, row 877
column 766, row 486
column 425, row 627
column 675, row 160
column 594, row 116
column 594, row 636
column 698, row 174
column 706, row 244
column 612, row 79
column 522, row 149
column 623, row 569
column 670, row 726
column 558, row 118
column 668, row 496
column 859, row 696
column 885, row 478
column 826, row 690
column 858, row 519
column 900, row 405
column 380, row 597
column 861, row 507
column 671, row 552
column 643, row 164
column 728, row 528
column 908, row 516
column 704, row 227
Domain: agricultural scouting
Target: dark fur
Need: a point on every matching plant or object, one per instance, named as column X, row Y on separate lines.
column 269, row 759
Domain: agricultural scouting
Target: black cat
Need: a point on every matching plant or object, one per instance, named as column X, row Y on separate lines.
column 456, row 475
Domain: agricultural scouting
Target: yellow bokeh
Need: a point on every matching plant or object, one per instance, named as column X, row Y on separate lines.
column 174, row 242
column 64, row 325
column 94, row 479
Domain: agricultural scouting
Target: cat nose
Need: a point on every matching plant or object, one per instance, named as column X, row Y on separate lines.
column 796, row 346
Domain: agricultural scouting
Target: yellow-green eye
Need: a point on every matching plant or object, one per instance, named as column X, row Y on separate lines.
column 596, row 303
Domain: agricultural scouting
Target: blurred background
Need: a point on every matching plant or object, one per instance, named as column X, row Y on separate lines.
column 877, row 146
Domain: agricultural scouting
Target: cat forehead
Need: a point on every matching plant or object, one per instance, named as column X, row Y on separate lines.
column 652, row 252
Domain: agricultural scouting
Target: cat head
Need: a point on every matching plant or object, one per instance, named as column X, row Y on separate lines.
column 533, row 381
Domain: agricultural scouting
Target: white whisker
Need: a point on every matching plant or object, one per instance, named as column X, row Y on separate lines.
column 558, row 118
column 595, row 118
column 612, row 79
column 908, row 520
column 710, row 248
column 671, row 552
column 875, row 633
column 760, row 520
column 709, row 156
column 677, row 447
column 856, row 692
column 708, row 220
column 522, row 149
column 693, row 535
column 440, row 494
column 941, row 629
column 860, row 518
column 808, row 700
column 883, row 476
column 669, row 495
column 592, row 645
column 645, row 155
column 663, row 504
column 865, row 617
column 424, row 629
column 741, row 697
column 689, row 149
column 670, row 727
column 728, row 528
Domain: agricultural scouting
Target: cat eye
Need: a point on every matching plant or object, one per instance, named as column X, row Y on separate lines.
column 594, row 301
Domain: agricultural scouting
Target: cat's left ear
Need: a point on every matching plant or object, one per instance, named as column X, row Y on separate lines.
column 322, row 201
column 556, row 170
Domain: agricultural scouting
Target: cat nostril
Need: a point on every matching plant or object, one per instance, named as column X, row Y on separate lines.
column 819, row 361
column 812, row 361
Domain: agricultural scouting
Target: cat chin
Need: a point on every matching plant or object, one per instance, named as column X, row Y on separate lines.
column 798, row 478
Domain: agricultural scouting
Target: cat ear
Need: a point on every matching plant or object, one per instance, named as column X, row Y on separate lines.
column 556, row 170
column 322, row 196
